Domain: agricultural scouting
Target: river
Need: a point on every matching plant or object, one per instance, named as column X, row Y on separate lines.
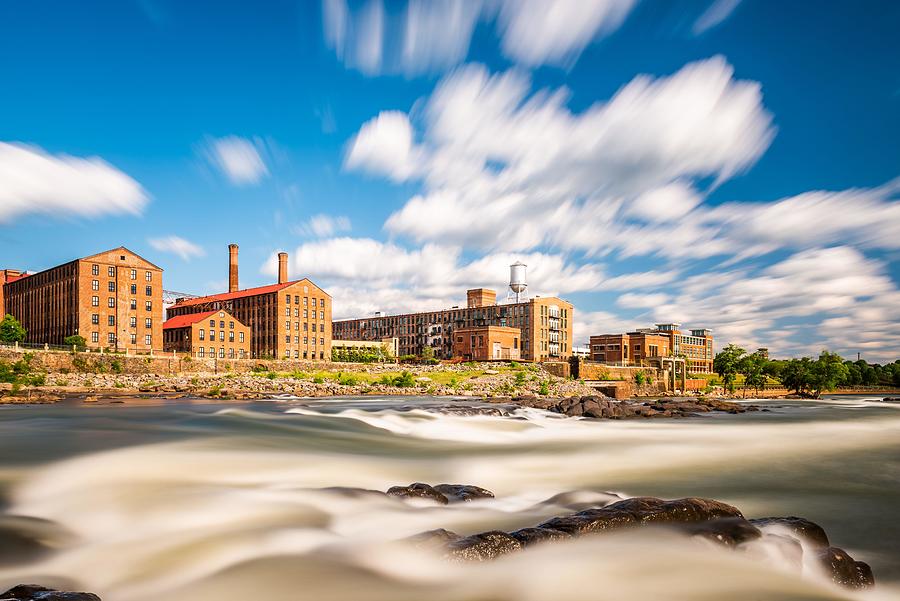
column 204, row 500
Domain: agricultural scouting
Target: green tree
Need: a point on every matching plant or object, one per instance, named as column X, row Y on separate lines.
column 75, row 340
column 728, row 365
column 796, row 374
column 427, row 353
column 753, row 367
column 827, row 372
column 11, row 330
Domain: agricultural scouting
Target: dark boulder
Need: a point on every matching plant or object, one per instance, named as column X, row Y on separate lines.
column 463, row 492
column 729, row 532
column 844, row 570
column 805, row 529
column 418, row 490
column 483, row 546
column 433, row 539
column 33, row 592
column 533, row 536
column 691, row 509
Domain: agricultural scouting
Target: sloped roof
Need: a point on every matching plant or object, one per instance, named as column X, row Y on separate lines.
column 232, row 295
column 183, row 321
column 120, row 248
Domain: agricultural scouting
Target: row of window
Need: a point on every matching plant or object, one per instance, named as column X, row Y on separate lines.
column 287, row 326
column 111, row 338
column 111, row 320
column 201, row 352
column 111, row 302
column 111, row 272
column 212, row 335
column 306, row 354
column 306, row 301
column 111, row 287
column 287, row 313
column 306, row 339
column 212, row 324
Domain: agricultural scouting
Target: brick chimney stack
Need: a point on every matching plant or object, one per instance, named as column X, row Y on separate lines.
column 282, row 267
column 232, row 268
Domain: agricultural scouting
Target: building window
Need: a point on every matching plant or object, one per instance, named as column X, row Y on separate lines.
column 148, row 276
column 305, row 301
column 212, row 323
column 287, row 325
column 111, row 337
column 305, row 354
column 222, row 335
column 148, row 323
column 134, row 274
column 287, row 353
column 287, row 339
column 221, row 353
column 133, row 338
column 305, row 340
column 287, row 298
column 95, row 284
column 322, row 341
column 296, row 354
column 287, row 311
column 147, row 339
column 297, row 325
column 305, row 326
column 314, row 342
column 296, row 340
column 111, row 271
column 111, row 301
column 134, row 304
column 212, row 353
column 149, row 290
column 212, row 334
column 296, row 299
column 134, row 288
column 231, row 325
column 201, row 352
column 95, row 318
column 149, row 305
column 95, row 337
column 230, row 336
column 111, row 320
column 240, row 336
column 202, row 334
column 321, row 314
column 296, row 312
column 111, row 286
column 305, row 313
column 222, row 324
column 231, row 353
column 95, row 270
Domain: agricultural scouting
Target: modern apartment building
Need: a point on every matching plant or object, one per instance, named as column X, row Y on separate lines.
column 545, row 325
column 290, row 319
column 642, row 346
column 214, row 334
column 113, row 299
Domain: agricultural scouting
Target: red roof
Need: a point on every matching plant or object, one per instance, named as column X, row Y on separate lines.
column 13, row 278
column 231, row 295
column 183, row 321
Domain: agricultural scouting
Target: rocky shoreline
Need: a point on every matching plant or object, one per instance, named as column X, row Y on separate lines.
column 694, row 518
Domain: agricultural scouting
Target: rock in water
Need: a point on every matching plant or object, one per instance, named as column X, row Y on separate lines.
column 533, row 536
column 463, row 492
column 432, row 539
column 480, row 547
column 805, row 529
column 33, row 592
column 418, row 490
column 729, row 532
column 844, row 570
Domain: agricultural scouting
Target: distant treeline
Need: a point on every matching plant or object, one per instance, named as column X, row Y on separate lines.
column 806, row 376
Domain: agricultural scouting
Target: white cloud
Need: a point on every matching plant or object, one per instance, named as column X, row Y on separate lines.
column 35, row 181
column 178, row 246
column 239, row 159
column 503, row 169
column 324, row 226
column 434, row 35
column 537, row 32
column 715, row 14
column 384, row 145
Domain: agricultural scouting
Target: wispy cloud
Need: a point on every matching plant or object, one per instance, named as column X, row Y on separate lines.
column 177, row 246
column 324, row 226
column 717, row 12
column 35, row 181
column 239, row 159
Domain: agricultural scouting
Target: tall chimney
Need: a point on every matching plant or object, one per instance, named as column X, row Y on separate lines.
column 232, row 268
column 282, row 268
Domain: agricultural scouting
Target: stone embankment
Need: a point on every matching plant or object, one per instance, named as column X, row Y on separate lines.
column 601, row 407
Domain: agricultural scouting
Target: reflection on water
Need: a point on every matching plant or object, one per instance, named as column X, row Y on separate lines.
column 207, row 501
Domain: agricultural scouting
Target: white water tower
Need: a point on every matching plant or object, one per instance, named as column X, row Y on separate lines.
column 517, row 280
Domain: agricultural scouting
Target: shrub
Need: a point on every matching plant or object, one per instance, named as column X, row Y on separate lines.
column 11, row 330
column 116, row 366
column 346, row 379
column 520, row 378
column 272, row 375
column 318, row 379
column 75, row 340
column 545, row 388
column 405, row 380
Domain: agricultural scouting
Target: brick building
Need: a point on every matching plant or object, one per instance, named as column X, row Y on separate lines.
column 210, row 334
column 643, row 346
column 486, row 343
column 545, row 325
column 290, row 319
column 113, row 299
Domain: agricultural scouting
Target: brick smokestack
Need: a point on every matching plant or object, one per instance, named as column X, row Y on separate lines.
column 282, row 268
column 232, row 268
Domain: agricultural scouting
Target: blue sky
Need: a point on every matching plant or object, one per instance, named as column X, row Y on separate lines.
column 726, row 164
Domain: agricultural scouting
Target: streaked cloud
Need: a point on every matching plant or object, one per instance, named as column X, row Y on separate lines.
column 717, row 12
column 33, row 180
column 324, row 226
column 177, row 246
column 239, row 159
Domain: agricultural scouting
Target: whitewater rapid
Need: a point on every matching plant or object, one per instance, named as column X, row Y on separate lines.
column 238, row 502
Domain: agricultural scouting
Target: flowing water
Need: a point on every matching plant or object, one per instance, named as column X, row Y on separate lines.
column 206, row 501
